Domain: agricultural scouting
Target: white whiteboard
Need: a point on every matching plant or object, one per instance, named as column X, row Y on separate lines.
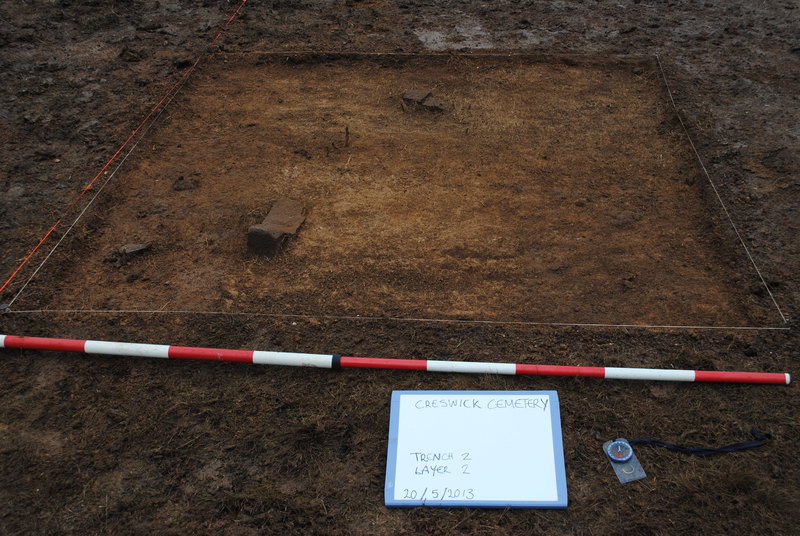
column 493, row 449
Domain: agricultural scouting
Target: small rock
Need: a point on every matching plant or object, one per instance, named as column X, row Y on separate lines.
column 434, row 104
column 121, row 256
column 416, row 96
column 181, row 184
column 182, row 63
column 628, row 285
column 581, row 202
column 423, row 99
column 135, row 249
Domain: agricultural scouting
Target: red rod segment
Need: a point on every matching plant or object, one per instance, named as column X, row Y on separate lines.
column 740, row 377
column 560, row 370
column 210, row 354
column 383, row 363
column 44, row 343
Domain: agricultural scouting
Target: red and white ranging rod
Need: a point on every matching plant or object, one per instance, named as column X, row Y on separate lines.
column 335, row 361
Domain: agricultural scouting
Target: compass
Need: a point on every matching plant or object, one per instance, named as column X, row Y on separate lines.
column 623, row 460
column 619, row 451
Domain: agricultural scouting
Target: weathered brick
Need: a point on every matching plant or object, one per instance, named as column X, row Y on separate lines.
column 282, row 222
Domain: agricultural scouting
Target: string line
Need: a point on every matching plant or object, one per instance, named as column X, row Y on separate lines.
column 367, row 318
column 169, row 95
column 167, row 99
column 91, row 201
column 716, row 192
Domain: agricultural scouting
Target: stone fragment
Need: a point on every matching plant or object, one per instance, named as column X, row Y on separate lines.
column 416, row 96
column 627, row 284
column 121, row 256
column 182, row 184
column 282, row 222
column 434, row 104
column 130, row 250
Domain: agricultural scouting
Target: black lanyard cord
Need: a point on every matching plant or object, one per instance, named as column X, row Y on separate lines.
column 758, row 440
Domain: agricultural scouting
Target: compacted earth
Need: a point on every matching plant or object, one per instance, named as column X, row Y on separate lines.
column 577, row 183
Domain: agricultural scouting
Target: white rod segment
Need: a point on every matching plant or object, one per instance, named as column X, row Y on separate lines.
column 292, row 359
column 127, row 348
column 470, row 367
column 614, row 373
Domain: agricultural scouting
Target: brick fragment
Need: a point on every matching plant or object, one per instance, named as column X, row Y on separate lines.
column 282, row 222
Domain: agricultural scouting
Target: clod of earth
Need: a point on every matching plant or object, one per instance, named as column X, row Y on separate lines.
column 130, row 55
column 282, row 222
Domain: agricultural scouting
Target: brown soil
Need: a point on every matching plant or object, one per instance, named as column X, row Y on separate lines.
column 552, row 188
column 544, row 192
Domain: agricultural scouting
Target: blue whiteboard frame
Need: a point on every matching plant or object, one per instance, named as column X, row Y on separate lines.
column 558, row 450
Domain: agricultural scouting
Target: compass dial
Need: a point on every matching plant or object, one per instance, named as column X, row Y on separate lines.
column 619, row 451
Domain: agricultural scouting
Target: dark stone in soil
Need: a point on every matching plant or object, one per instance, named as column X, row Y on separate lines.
column 183, row 63
column 135, row 249
column 434, row 104
column 421, row 99
column 284, row 219
column 416, row 96
column 121, row 256
column 182, row 184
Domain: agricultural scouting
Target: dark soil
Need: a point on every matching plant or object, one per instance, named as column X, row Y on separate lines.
column 628, row 231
